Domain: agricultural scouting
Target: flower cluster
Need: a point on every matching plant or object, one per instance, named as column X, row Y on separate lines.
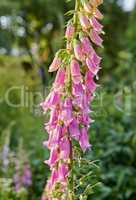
column 22, row 177
column 71, row 94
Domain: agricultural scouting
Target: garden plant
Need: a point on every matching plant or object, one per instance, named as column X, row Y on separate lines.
column 77, row 68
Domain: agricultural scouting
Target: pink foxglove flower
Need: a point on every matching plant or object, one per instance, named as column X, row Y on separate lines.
column 92, row 66
column 55, row 64
column 90, row 84
column 53, row 157
column 74, row 129
column 77, row 89
column 95, row 24
column 84, row 140
column 63, row 172
column 79, row 54
column 70, row 97
column 75, row 71
column 97, row 59
column 64, row 148
column 86, row 45
column 52, row 100
column 84, row 20
column 60, row 78
column 94, row 35
column 98, row 14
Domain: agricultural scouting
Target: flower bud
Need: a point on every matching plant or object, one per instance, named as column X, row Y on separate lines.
column 69, row 31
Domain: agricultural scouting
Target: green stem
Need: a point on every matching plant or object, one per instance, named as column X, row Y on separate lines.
column 71, row 184
column 75, row 21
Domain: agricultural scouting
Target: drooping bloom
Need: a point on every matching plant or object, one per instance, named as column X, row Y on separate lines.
column 95, row 24
column 74, row 129
column 98, row 14
column 55, row 64
column 84, row 140
column 75, row 71
column 78, row 51
column 69, row 100
column 60, row 78
column 94, row 35
column 84, row 20
column 92, row 66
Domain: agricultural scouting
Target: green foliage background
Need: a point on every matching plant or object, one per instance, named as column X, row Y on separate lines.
column 30, row 33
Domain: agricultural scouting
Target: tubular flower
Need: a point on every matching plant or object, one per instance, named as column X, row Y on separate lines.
column 70, row 96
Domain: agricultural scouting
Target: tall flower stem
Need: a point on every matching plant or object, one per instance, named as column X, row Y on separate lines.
column 75, row 23
column 69, row 100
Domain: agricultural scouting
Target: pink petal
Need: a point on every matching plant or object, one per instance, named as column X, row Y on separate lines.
column 96, row 25
column 55, row 64
column 84, row 140
column 84, row 21
column 96, row 38
column 74, row 129
column 92, row 66
column 53, row 157
column 60, row 77
column 75, row 71
column 64, row 148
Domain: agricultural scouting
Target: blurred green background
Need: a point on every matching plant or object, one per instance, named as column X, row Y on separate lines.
column 31, row 31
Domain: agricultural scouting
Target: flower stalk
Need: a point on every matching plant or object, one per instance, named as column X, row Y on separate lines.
column 77, row 68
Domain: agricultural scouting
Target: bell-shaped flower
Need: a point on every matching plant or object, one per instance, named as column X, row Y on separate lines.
column 55, row 64
column 66, row 115
column 86, row 45
column 92, row 65
column 85, row 23
column 54, row 137
column 64, row 148
column 96, row 59
column 95, row 24
column 74, row 129
column 63, row 171
column 98, row 14
column 77, row 89
column 52, row 100
column 94, row 35
column 84, row 140
column 75, row 71
column 78, row 51
column 53, row 178
column 53, row 157
column 89, row 82
column 60, row 78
